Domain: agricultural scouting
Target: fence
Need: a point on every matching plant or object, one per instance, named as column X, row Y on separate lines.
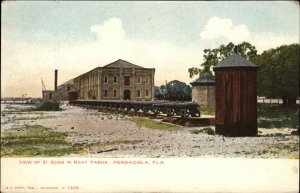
column 272, row 101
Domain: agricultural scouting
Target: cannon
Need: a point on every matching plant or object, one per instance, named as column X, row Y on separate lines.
column 183, row 109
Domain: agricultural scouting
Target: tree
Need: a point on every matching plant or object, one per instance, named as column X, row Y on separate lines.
column 177, row 90
column 278, row 74
column 174, row 90
column 91, row 94
column 214, row 56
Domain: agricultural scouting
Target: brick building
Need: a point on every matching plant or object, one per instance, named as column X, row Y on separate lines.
column 119, row 80
column 203, row 91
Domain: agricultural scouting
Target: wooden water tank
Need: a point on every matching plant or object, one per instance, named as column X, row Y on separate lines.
column 236, row 97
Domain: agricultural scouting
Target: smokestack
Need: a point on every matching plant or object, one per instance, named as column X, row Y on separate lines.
column 55, row 80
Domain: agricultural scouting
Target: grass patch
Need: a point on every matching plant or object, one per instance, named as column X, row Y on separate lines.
column 277, row 116
column 46, row 106
column 205, row 111
column 142, row 122
column 206, row 130
column 12, row 110
column 35, row 140
column 49, row 106
column 39, row 141
column 32, row 118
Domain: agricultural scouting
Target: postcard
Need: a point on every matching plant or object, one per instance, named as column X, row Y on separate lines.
column 150, row 96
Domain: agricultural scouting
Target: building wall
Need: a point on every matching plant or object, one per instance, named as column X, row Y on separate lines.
column 211, row 98
column 204, row 96
column 62, row 93
column 48, row 95
column 96, row 83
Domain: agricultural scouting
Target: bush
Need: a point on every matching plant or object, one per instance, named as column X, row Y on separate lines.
column 277, row 116
column 49, row 106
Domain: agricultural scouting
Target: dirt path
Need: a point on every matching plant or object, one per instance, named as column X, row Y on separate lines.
column 123, row 138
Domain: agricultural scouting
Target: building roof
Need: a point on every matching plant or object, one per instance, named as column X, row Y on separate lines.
column 204, row 80
column 235, row 60
column 69, row 82
column 121, row 64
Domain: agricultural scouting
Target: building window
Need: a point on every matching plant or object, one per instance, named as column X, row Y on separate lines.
column 115, row 79
column 147, row 79
column 105, row 93
column 105, row 79
column 139, row 79
column 115, row 93
column 139, row 93
column 127, row 80
column 50, row 95
column 147, row 93
column 68, row 88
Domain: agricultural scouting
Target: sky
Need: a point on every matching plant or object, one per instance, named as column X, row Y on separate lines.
column 75, row 37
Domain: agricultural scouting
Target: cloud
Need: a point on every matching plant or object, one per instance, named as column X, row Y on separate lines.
column 217, row 28
column 266, row 40
column 110, row 31
column 219, row 31
column 26, row 62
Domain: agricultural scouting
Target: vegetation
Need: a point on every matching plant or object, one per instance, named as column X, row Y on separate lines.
column 205, row 111
column 35, row 141
column 39, row 141
column 174, row 90
column 33, row 118
column 278, row 74
column 91, row 94
column 214, row 56
column 277, row 116
column 143, row 122
column 49, row 106
column 206, row 130
column 17, row 109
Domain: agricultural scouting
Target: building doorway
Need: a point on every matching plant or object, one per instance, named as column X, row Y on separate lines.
column 126, row 94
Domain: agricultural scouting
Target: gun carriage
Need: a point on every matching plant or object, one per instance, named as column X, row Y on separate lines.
column 183, row 109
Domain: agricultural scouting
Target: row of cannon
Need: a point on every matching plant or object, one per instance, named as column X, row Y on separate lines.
column 183, row 109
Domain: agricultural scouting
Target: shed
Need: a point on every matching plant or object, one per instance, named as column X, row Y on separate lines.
column 203, row 91
column 236, row 97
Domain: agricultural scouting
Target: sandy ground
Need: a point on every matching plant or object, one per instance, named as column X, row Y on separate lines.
column 127, row 140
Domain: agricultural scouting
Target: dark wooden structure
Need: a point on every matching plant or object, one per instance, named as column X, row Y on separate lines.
column 236, row 97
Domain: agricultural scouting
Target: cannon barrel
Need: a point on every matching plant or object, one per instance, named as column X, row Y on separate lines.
column 183, row 109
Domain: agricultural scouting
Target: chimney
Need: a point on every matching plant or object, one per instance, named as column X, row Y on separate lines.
column 55, row 80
